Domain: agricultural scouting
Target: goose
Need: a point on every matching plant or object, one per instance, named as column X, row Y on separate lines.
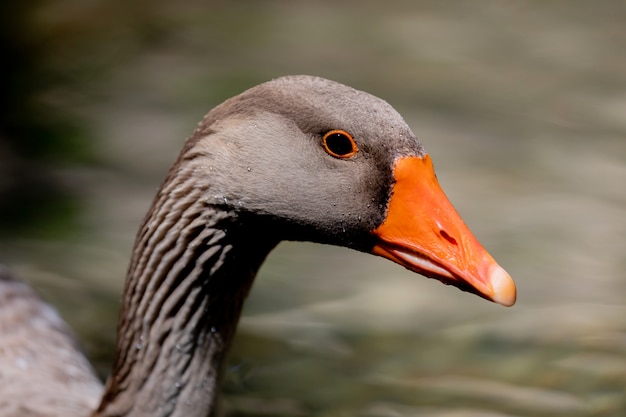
column 296, row 158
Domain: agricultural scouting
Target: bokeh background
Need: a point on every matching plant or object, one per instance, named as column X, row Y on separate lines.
column 522, row 106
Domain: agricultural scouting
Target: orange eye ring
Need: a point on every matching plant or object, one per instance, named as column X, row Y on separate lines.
column 340, row 144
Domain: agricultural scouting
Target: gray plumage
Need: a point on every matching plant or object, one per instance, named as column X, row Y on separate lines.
column 253, row 173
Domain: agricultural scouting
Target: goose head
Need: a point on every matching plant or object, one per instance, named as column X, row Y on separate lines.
column 304, row 158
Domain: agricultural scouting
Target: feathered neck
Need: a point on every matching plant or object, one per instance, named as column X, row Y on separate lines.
column 193, row 265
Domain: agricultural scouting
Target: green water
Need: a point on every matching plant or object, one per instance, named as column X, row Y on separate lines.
column 523, row 109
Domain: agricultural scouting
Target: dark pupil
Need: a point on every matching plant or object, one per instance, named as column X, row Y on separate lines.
column 339, row 144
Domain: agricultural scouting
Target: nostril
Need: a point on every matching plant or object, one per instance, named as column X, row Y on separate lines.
column 447, row 237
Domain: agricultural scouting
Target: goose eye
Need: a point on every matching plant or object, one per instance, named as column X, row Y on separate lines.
column 339, row 144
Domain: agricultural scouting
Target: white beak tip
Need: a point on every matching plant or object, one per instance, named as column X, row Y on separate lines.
column 504, row 291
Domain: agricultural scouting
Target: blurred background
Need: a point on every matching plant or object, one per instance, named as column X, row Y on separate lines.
column 522, row 106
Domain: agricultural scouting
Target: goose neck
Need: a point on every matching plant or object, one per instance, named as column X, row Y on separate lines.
column 190, row 273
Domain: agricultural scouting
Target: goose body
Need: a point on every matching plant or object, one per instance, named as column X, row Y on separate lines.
column 296, row 158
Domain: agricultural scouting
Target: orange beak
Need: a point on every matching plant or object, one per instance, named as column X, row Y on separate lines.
column 424, row 233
